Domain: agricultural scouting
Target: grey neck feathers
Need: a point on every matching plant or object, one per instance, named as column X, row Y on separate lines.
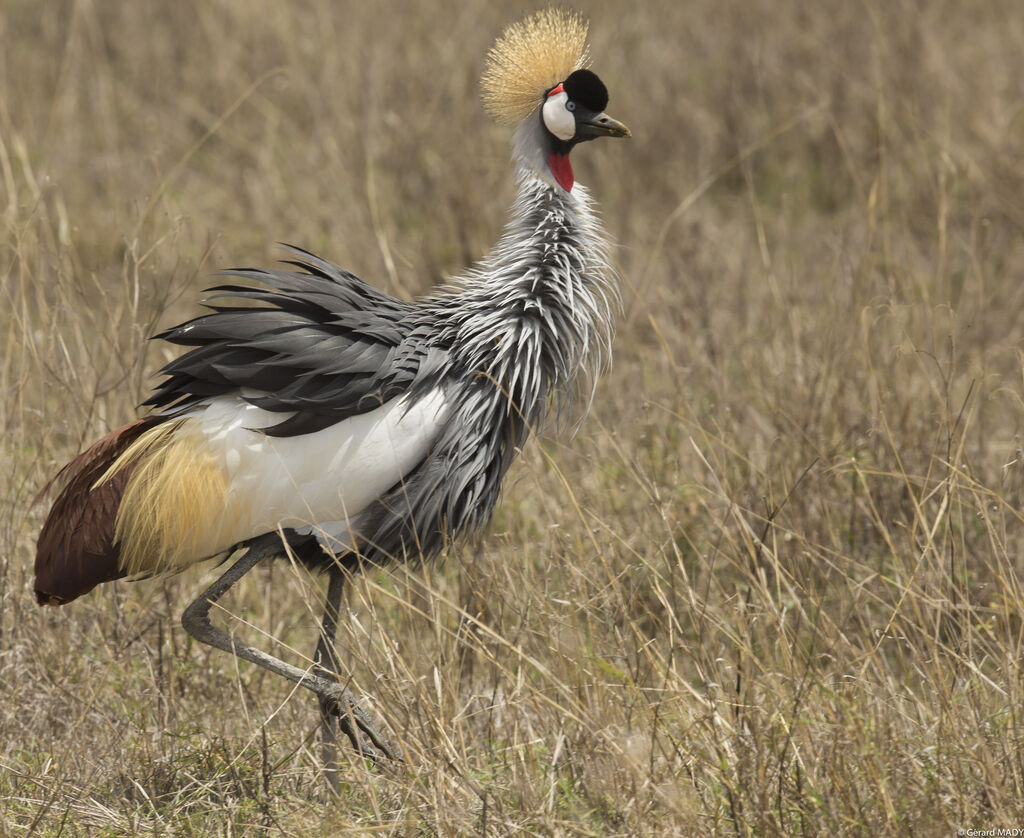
column 536, row 316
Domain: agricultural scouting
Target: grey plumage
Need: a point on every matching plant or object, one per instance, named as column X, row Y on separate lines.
column 532, row 322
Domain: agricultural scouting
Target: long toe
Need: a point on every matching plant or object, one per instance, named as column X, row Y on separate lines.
column 356, row 724
column 338, row 710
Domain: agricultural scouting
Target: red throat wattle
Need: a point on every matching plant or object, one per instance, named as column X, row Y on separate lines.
column 561, row 168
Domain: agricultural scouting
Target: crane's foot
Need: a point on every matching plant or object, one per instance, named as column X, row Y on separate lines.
column 356, row 724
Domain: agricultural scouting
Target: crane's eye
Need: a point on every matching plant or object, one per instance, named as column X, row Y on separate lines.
column 570, row 105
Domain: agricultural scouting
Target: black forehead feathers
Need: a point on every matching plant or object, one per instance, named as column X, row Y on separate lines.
column 587, row 89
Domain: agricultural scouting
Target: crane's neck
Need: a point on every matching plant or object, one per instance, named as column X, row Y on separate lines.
column 536, row 150
column 536, row 316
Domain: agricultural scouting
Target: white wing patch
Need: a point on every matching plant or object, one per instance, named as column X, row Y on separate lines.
column 315, row 480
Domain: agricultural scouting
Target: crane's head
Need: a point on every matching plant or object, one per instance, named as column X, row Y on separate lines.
column 536, row 75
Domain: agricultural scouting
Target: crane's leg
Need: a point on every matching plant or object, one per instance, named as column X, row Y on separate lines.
column 326, row 660
column 334, row 698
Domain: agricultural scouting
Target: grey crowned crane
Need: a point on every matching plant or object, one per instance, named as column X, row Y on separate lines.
column 347, row 427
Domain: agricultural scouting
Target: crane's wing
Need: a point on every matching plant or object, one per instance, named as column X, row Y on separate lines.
column 298, row 408
column 320, row 346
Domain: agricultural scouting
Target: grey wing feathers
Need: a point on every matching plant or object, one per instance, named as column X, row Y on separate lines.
column 321, row 345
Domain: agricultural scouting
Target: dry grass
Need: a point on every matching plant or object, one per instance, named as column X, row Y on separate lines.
column 774, row 586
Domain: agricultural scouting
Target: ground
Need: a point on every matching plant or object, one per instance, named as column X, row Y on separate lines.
column 772, row 586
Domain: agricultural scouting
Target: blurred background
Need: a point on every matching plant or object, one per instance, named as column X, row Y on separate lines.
column 774, row 584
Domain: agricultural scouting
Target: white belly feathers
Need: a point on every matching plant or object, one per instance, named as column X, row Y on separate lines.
column 328, row 476
column 206, row 481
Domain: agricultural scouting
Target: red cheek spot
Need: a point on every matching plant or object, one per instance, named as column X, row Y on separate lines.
column 561, row 168
column 559, row 89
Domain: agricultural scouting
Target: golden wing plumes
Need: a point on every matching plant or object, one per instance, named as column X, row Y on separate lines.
column 530, row 57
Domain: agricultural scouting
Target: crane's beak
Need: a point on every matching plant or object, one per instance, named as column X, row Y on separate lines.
column 600, row 124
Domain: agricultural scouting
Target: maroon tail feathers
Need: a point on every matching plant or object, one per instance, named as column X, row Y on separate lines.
column 76, row 549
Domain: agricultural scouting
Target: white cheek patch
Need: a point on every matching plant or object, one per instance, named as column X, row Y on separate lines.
column 558, row 120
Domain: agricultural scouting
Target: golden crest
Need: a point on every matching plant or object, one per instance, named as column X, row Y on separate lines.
column 529, row 58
